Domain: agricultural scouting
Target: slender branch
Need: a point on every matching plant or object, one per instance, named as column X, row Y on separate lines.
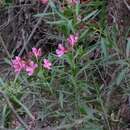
column 127, row 5
column 32, row 33
column 4, row 46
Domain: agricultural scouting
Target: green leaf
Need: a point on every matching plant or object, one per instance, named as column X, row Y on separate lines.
column 8, row 1
column 121, row 76
column 40, row 73
column 43, row 14
column 69, row 59
column 92, row 14
column 7, row 61
column 84, row 33
column 77, row 9
column 20, row 128
column 61, row 99
column 82, row 110
column 104, row 47
column 1, row 82
column 52, row 5
column 4, row 115
column 70, row 26
column 24, row 107
column 56, row 22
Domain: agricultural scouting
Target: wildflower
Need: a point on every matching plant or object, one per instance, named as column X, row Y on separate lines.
column 61, row 50
column 47, row 64
column 44, row 1
column 37, row 52
column 72, row 39
column 30, row 67
column 18, row 64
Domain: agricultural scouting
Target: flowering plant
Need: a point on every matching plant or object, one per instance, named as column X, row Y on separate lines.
column 64, row 81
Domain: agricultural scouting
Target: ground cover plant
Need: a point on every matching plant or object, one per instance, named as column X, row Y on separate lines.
column 63, row 66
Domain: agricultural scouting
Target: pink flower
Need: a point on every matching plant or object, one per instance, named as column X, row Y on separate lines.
column 44, row 1
column 18, row 64
column 72, row 39
column 30, row 67
column 37, row 52
column 61, row 50
column 47, row 64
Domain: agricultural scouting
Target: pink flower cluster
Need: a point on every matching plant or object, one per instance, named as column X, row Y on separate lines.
column 47, row 64
column 18, row 64
column 29, row 66
column 71, row 40
column 37, row 52
column 61, row 50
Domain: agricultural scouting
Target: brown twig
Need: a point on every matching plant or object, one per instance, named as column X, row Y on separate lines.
column 127, row 5
column 9, row 21
column 4, row 46
column 32, row 33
